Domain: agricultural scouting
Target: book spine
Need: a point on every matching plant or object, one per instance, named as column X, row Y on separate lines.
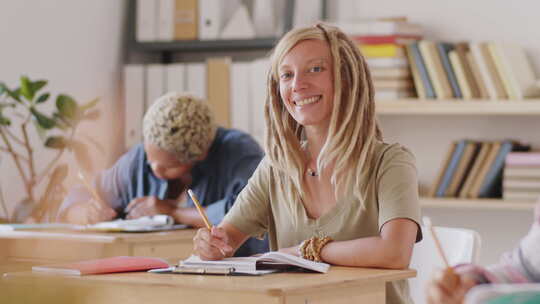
column 444, row 49
column 460, row 75
column 382, row 50
column 523, row 159
column 492, row 184
column 450, row 170
column 422, row 70
column 384, row 39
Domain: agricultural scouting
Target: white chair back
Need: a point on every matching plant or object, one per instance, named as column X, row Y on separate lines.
column 459, row 245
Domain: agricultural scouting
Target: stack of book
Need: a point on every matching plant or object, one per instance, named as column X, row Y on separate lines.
column 382, row 42
column 521, row 178
column 485, row 70
column 473, row 169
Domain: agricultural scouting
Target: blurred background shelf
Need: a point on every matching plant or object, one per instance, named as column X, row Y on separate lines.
column 461, row 107
column 485, row 204
column 206, row 45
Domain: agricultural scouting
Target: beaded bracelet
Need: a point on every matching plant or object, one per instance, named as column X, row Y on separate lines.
column 320, row 244
column 310, row 249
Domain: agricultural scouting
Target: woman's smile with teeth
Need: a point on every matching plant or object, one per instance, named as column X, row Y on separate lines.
column 306, row 101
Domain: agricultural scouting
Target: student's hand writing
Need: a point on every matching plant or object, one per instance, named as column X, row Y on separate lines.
column 212, row 245
column 447, row 287
column 149, row 205
column 90, row 212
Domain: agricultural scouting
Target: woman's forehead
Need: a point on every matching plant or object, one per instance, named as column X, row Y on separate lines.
column 307, row 51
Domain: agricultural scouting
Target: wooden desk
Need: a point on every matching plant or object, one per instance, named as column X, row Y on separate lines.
column 59, row 246
column 339, row 285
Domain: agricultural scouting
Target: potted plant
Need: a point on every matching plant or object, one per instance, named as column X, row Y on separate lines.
column 21, row 110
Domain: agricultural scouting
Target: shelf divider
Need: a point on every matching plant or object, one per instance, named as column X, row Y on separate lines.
column 458, row 106
column 483, row 204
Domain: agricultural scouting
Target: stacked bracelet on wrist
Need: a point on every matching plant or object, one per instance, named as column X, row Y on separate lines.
column 311, row 249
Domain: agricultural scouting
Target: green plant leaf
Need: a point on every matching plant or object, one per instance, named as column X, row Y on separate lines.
column 43, row 97
column 82, row 155
column 39, row 130
column 92, row 115
column 26, row 88
column 44, row 121
column 61, row 123
column 92, row 103
column 67, row 106
column 15, row 94
column 38, row 85
column 56, row 142
column 3, row 88
column 4, row 121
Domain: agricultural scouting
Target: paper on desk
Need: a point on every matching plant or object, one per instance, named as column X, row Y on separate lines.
column 38, row 226
column 158, row 222
column 145, row 223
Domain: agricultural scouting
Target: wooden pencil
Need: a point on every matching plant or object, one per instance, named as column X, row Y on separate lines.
column 200, row 209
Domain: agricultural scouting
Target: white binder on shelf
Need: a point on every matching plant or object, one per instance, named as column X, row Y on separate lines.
column 176, row 77
column 166, row 9
column 146, row 20
column 257, row 78
column 264, row 15
column 306, row 12
column 210, row 19
column 240, row 101
column 155, row 83
column 134, row 94
column 196, row 79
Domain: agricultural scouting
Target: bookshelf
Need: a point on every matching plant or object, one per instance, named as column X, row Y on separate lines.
column 461, row 107
column 458, row 107
column 478, row 204
column 166, row 49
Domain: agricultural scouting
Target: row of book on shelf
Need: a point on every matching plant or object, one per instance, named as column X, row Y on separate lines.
column 172, row 20
column 234, row 91
column 405, row 65
column 521, row 177
column 489, row 169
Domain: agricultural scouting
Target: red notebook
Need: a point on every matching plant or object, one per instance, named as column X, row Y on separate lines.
column 105, row 265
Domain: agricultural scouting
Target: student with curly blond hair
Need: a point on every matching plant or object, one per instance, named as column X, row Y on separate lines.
column 182, row 148
column 329, row 189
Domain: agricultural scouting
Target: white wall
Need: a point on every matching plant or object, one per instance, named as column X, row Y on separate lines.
column 76, row 45
column 430, row 136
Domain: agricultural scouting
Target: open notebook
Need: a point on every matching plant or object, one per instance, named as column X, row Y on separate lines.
column 269, row 262
column 158, row 222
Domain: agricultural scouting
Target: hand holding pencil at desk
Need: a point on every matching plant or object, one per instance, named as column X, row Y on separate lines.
column 92, row 211
column 446, row 286
column 210, row 243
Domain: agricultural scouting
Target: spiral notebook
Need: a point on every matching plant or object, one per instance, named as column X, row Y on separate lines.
column 267, row 263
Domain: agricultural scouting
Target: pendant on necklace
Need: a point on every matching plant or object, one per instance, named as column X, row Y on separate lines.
column 311, row 172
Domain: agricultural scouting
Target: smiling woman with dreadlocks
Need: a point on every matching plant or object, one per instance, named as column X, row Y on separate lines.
column 329, row 189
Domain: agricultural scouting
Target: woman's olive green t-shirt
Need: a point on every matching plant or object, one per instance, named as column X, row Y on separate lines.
column 392, row 193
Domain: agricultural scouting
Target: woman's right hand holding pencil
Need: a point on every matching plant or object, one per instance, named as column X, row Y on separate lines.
column 212, row 244
column 448, row 287
column 89, row 212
